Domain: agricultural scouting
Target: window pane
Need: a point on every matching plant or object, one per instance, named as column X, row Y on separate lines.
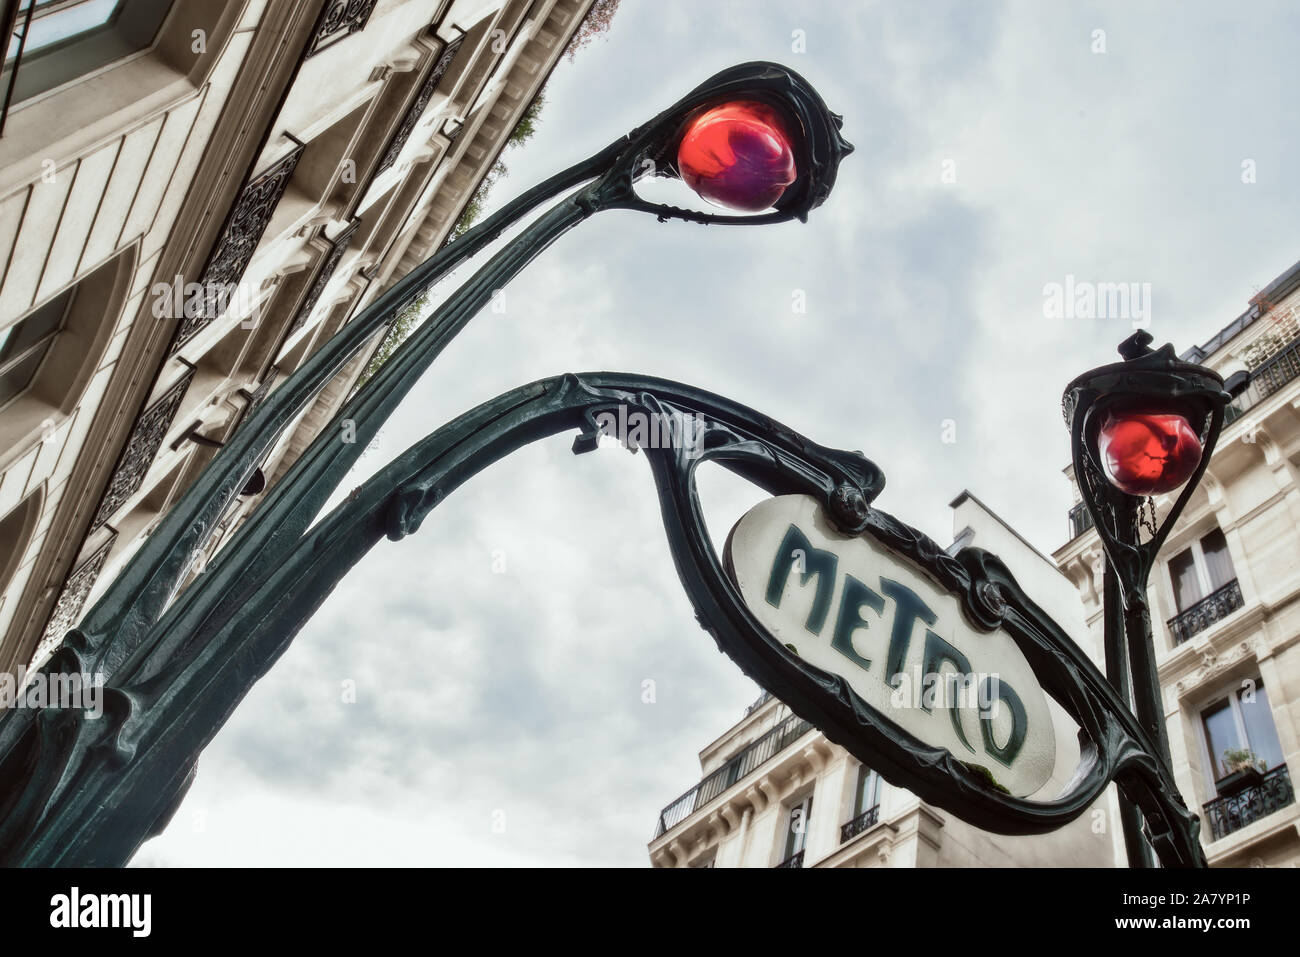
column 69, row 38
column 1220, row 735
column 1187, row 587
column 67, row 21
column 16, row 379
column 797, row 827
column 35, row 327
column 1217, row 561
column 1261, row 735
column 868, row 792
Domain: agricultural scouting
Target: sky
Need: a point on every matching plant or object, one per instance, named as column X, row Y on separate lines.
column 500, row 657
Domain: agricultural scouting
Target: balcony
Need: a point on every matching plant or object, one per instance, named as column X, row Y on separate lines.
column 737, row 767
column 864, row 821
column 1234, row 811
column 794, row 860
column 1080, row 520
column 1214, row 606
column 1269, row 378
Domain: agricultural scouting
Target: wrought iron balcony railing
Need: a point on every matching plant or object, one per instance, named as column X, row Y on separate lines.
column 1269, row 378
column 1214, row 606
column 1080, row 520
column 794, row 860
column 739, row 766
column 1234, row 811
column 867, row 819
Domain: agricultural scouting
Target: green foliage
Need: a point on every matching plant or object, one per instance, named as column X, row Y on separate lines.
column 1238, row 759
column 527, row 125
column 473, row 210
column 401, row 326
column 597, row 21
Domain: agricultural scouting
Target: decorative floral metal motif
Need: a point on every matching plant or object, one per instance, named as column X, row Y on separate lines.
column 168, row 687
column 416, row 109
column 863, row 822
column 338, row 21
column 1214, row 606
column 1235, row 811
column 141, row 448
column 73, row 598
column 331, row 263
column 242, row 232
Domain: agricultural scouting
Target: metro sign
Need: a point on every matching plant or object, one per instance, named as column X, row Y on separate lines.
column 847, row 605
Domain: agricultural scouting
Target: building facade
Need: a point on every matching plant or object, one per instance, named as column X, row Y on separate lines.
column 194, row 196
column 774, row 792
column 1225, row 598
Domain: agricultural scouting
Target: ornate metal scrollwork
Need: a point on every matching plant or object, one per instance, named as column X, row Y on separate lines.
column 238, row 241
column 339, row 20
column 416, row 109
column 141, row 447
column 72, row 597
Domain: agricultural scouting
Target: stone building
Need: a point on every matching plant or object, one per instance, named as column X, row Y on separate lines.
column 1225, row 598
column 194, row 195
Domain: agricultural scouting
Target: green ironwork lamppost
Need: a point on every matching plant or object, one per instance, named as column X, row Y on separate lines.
column 755, row 138
column 1142, row 427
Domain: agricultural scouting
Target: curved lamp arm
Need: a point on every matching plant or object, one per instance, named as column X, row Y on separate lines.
column 126, row 614
column 164, row 706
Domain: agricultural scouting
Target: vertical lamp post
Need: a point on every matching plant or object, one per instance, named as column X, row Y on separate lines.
column 1140, row 428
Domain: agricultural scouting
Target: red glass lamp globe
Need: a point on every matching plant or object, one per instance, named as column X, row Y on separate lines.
column 738, row 156
column 1148, row 453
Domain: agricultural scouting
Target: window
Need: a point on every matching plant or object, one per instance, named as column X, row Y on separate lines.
column 1204, row 586
column 24, row 345
column 867, row 793
column 52, row 42
column 796, row 829
column 1241, row 721
column 1200, row 570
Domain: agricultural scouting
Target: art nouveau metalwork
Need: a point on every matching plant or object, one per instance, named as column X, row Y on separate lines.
column 88, row 793
column 1132, row 533
column 54, row 764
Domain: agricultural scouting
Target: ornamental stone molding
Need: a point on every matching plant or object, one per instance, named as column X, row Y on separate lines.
column 338, row 246
column 1214, row 663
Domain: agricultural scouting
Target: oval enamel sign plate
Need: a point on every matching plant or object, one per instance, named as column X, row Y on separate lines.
column 849, row 606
